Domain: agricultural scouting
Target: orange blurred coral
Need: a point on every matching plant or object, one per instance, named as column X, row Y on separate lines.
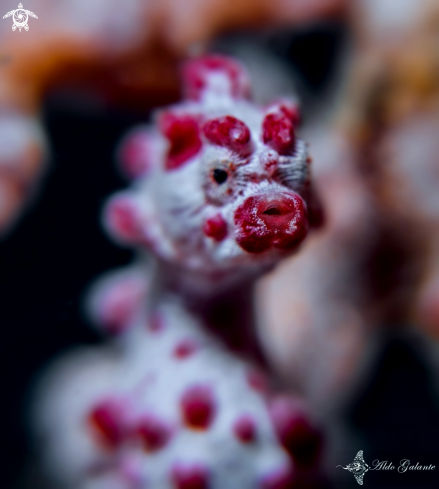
column 124, row 54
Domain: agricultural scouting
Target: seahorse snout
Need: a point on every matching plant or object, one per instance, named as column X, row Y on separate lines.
column 271, row 220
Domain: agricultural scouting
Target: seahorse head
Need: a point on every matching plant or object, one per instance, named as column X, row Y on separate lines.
column 220, row 184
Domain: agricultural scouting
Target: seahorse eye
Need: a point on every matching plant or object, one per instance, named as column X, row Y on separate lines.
column 220, row 176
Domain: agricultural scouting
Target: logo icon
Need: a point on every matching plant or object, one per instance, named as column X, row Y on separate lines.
column 358, row 467
column 20, row 17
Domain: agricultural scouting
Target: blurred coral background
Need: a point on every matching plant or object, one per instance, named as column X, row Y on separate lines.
column 351, row 322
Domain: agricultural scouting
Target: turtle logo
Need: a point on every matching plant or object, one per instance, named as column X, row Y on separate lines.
column 358, row 467
column 20, row 17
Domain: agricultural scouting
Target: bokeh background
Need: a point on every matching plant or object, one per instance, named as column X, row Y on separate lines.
column 369, row 80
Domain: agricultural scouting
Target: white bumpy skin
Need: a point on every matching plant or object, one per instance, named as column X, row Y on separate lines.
column 179, row 399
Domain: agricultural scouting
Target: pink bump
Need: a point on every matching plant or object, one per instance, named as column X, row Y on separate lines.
column 119, row 303
column 279, row 479
column 270, row 161
column 257, row 381
column 287, row 107
column 229, row 132
column 294, row 430
column 245, row 429
column 123, row 220
column 197, row 76
column 198, row 407
column 182, row 132
column 185, row 349
column 215, row 227
column 107, row 420
column 135, row 154
column 291, row 110
column 190, row 476
column 156, row 322
column 278, row 133
column 154, row 433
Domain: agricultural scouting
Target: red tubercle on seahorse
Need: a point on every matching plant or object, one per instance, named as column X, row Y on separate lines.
column 278, row 132
column 270, row 161
column 215, row 227
column 153, row 432
column 257, row 381
column 185, row 349
column 198, row 407
column 183, row 134
column 136, row 155
column 118, row 302
column 244, row 429
column 123, row 220
column 290, row 109
column 196, row 74
column 229, row 132
column 299, row 437
column 108, row 421
column 190, row 476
